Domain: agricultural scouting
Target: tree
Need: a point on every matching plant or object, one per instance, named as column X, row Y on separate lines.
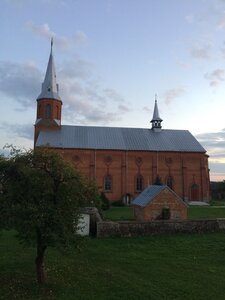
column 40, row 197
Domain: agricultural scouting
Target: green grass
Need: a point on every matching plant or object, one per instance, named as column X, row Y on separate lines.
column 160, row 267
column 206, row 212
column 217, row 202
column 194, row 212
column 119, row 213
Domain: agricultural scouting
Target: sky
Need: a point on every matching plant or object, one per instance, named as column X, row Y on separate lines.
column 112, row 57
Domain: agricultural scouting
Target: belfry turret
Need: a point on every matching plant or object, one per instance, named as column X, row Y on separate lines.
column 49, row 103
column 156, row 120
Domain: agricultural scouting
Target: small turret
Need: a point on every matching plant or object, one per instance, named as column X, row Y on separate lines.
column 156, row 120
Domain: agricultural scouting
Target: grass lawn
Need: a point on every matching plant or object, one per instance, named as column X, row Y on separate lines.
column 206, row 212
column 194, row 212
column 119, row 213
column 217, row 202
column 160, row 267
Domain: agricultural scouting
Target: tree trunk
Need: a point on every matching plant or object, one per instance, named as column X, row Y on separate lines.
column 39, row 261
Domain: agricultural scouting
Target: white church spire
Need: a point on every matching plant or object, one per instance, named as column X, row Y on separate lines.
column 156, row 120
column 49, row 86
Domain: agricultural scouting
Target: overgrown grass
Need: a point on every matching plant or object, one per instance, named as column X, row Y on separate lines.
column 159, row 267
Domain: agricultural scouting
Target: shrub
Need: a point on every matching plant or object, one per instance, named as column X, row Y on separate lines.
column 118, row 203
column 104, row 202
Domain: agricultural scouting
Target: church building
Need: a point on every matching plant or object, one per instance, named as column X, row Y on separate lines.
column 123, row 161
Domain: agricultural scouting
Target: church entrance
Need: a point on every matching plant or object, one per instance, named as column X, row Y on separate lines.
column 127, row 198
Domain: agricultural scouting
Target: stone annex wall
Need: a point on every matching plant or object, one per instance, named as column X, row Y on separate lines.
column 128, row 229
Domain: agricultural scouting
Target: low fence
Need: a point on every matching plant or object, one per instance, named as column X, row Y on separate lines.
column 132, row 228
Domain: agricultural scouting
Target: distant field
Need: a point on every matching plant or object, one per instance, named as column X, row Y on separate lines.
column 160, row 267
column 203, row 212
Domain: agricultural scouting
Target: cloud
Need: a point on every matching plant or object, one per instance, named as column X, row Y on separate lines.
column 20, row 130
column 214, row 143
column 76, row 68
column 184, row 65
column 85, row 98
column 78, row 39
column 113, row 95
column 86, row 102
column 146, row 109
column 215, row 77
column 221, row 22
column 20, row 82
column 172, row 94
column 201, row 52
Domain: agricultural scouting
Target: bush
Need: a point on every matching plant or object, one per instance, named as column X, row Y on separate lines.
column 118, row 203
column 104, row 202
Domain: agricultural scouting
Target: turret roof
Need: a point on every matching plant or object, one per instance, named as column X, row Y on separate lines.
column 49, row 86
column 156, row 116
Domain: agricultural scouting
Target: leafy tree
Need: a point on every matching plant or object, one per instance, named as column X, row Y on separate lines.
column 40, row 197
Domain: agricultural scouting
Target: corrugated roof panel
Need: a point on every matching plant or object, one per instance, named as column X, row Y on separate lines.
column 148, row 195
column 142, row 139
column 105, row 139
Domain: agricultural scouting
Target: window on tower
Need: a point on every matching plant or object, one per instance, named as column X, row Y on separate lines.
column 57, row 112
column 48, row 111
column 39, row 111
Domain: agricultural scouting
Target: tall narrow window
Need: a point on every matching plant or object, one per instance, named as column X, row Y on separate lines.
column 57, row 112
column 194, row 192
column 169, row 182
column 107, row 183
column 39, row 111
column 139, row 183
column 48, row 111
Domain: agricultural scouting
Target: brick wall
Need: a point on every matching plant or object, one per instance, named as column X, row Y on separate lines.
column 185, row 169
column 165, row 199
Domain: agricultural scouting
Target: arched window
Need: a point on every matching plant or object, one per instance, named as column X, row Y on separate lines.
column 169, row 182
column 139, row 183
column 48, row 111
column 108, row 183
column 194, row 192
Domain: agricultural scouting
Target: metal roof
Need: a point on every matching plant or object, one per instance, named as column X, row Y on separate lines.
column 49, row 86
column 117, row 138
column 148, row 194
column 156, row 116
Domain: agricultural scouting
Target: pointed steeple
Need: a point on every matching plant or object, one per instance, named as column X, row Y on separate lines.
column 49, row 104
column 50, row 88
column 156, row 120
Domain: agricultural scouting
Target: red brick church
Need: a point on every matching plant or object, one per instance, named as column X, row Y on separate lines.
column 123, row 161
